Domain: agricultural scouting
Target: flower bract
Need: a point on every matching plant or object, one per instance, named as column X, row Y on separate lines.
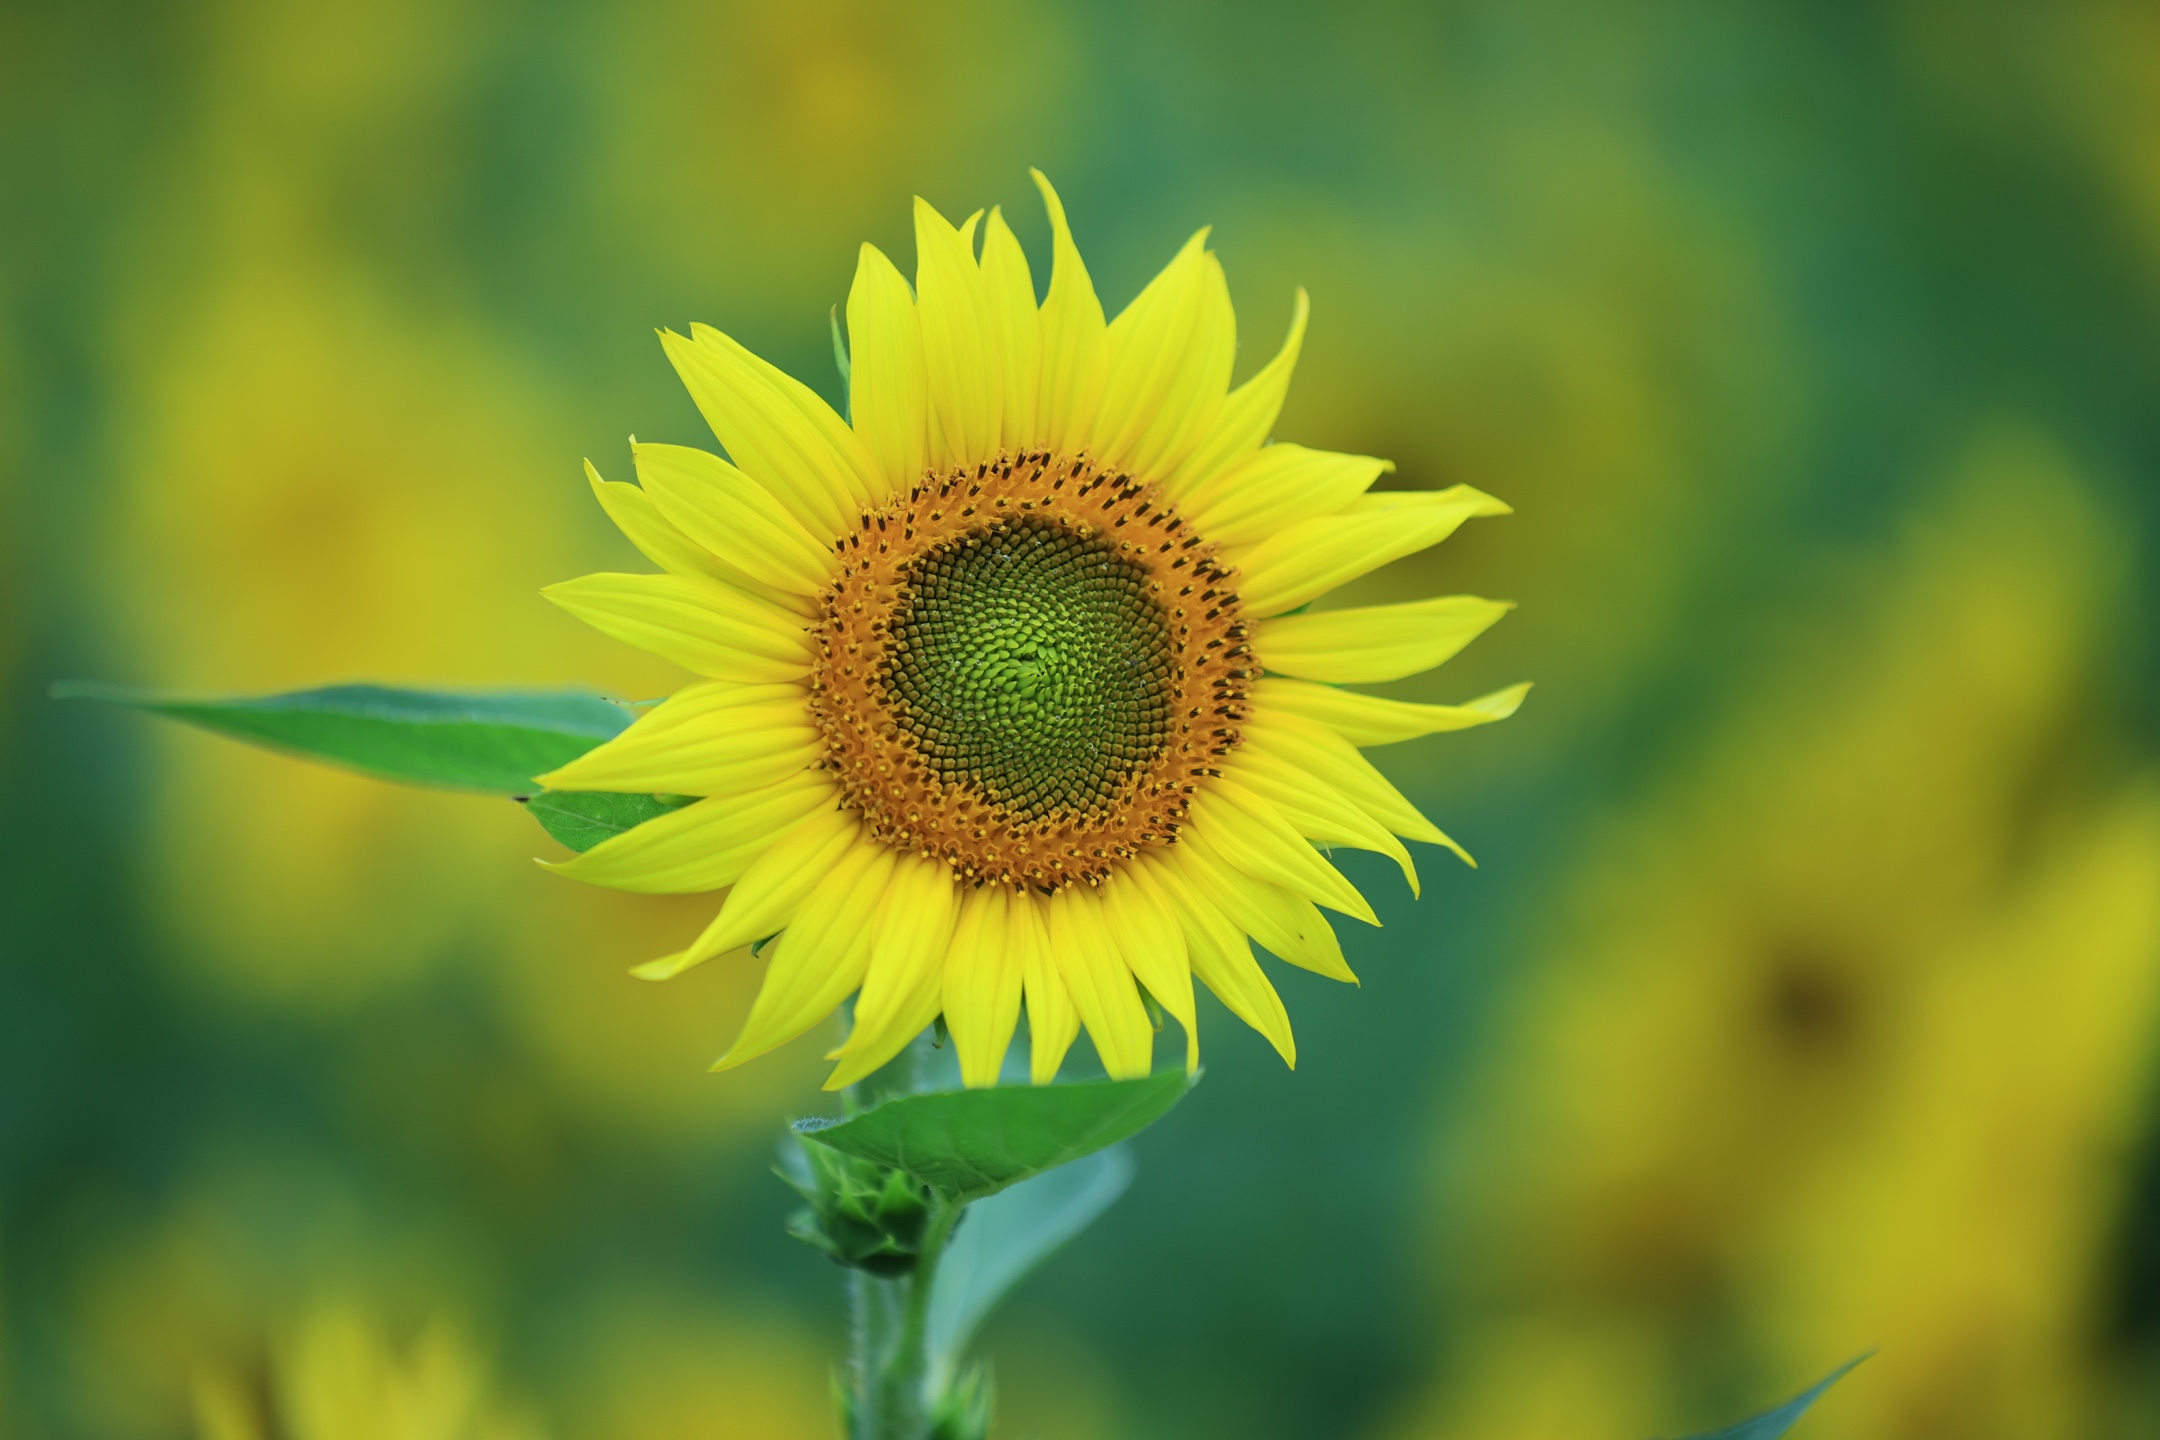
column 1009, row 696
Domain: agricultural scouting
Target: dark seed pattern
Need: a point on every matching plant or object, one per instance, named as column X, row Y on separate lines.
column 1032, row 665
column 1025, row 667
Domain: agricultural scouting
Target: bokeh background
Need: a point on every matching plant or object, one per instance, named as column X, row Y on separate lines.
column 1805, row 1001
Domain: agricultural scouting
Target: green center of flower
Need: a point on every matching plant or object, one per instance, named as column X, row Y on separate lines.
column 1032, row 665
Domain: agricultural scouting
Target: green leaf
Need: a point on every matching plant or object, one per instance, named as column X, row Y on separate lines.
column 1007, row 1235
column 1773, row 1423
column 582, row 819
column 965, row 1144
column 490, row 741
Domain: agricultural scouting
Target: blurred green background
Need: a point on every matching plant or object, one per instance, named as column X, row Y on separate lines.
column 1805, row 1000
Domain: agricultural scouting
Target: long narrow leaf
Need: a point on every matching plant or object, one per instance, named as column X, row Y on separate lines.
column 582, row 819
column 488, row 741
column 1772, row 1423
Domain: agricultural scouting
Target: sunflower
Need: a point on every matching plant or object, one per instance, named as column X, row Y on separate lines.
column 1010, row 695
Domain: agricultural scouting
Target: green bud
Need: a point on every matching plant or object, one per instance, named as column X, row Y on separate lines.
column 861, row 1214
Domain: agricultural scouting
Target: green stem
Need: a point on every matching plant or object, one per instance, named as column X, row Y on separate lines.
column 890, row 1364
column 889, row 1331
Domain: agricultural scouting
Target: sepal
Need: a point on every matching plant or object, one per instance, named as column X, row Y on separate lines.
column 861, row 1214
column 962, row 1411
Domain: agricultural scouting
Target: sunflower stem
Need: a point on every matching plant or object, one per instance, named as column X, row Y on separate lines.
column 888, row 1315
column 889, row 1372
column 890, row 1366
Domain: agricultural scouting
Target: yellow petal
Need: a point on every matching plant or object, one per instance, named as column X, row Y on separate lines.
column 813, row 427
column 1274, row 488
column 1147, row 933
column 982, row 984
column 1016, row 330
column 904, row 986
column 733, row 516
column 1335, row 762
column 1253, row 836
column 1297, row 932
column 821, row 955
column 1169, row 367
column 770, row 892
column 1073, row 341
column 1370, row 720
column 641, row 523
column 1101, row 987
column 1314, row 556
column 702, row 846
column 712, row 739
column 1374, row 642
column 1219, row 955
column 1288, row 925
column 702, row 625
column 779, row 432
column 886, row 394
column 1247, row 416
column 966, row 380
column 1317, row 810
column 1052, row 1021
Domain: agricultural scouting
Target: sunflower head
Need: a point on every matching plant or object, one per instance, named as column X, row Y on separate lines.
column 1025, row 668
column 1003, row 703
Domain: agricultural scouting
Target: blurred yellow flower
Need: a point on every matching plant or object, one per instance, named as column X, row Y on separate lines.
column 339, row 1379
column 1841, row 1036
column 1006, row 697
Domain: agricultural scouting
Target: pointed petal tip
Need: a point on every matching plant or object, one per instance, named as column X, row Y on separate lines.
column 1364, row 911
column 730, row 1059
column 1447, row 843
column 925, row 213
column 1051, row 200
column 847, row 1072
column 667, row 967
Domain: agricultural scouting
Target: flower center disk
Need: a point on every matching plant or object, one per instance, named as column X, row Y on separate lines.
column 1025, row 666
column 1031, row 664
